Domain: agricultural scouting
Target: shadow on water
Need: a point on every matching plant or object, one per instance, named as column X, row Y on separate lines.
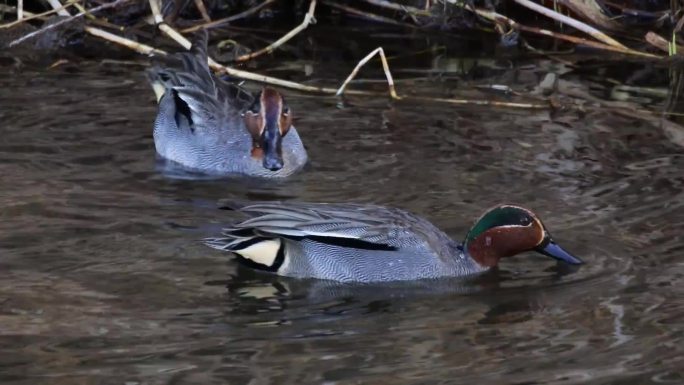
column 103, row 280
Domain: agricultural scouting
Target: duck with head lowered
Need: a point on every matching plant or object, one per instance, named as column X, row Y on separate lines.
column 216, row 127
column 368, row 243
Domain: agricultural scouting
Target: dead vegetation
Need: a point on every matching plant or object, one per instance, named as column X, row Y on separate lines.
column 633, row 29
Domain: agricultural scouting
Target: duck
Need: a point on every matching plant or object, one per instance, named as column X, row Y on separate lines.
column 213, row 126
column 349, row 242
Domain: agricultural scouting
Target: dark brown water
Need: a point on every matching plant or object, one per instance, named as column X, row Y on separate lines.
column 102, row 280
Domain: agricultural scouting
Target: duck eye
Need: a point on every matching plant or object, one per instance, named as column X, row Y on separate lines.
column 525, row 221
column 286, row 111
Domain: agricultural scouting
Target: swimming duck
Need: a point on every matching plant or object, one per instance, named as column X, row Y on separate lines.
column 367, row 243
column 216, row 127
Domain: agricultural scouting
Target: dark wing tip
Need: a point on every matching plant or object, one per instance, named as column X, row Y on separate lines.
column 232, row 204
column 199, row 43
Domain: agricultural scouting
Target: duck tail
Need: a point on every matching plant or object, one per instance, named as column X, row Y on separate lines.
column 196, row 61
column 200, row 41
column 163, row 76
column 261, row 252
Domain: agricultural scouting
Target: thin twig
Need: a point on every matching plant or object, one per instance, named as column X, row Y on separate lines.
column 84, row 10
column 308, row 19
column 385, row 67
column 217, row 23
column 39, row 15
column 203, row 10
column 496, row 17
column 367, row 15
column 55, row 4
column 595, row 33
column 69, row 19
column 398, row 7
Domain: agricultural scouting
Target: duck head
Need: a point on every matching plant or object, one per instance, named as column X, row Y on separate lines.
column 268, row 120
column 507, row 230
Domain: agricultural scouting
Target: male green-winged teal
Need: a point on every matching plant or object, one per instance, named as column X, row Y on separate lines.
column 365, row 243
column 216, row 127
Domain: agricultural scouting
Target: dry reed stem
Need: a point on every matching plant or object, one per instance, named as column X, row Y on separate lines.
column 308, row 19
column 11, row 8
column 147, row 50
column 495, row 17
column 138, row 47
column 492, row 103
column 583, row 41
column 595, row 33
column 28, row 16
column 55, row 4
column 591, row 11
column 67, row 20
column 228, row 19
column 20, row 10
column 661, row 43
column 362, row 62
column 170, row 32
column 175, row 35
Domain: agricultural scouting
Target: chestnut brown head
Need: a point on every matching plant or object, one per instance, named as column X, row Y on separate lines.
column 268, row 120
column 507, row 230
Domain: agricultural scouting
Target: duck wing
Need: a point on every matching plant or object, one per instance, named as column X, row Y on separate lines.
column 354, row 225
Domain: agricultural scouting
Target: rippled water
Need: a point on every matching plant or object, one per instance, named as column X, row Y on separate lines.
column 102, row 280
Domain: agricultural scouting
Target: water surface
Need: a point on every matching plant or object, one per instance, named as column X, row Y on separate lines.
column 102, row 280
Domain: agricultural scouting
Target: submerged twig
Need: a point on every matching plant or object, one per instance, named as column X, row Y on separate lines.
column 67, row 20
column 217, row 23
column 308, row 19
column 385, row 67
